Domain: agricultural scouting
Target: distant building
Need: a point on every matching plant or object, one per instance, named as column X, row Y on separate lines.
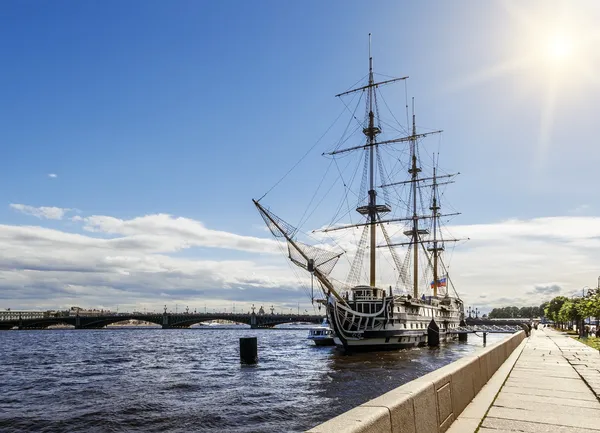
column 16, row 315
column 82, row 312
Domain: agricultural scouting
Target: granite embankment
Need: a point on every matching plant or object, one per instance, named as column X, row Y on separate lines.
column 432, row 402
column 552, row 385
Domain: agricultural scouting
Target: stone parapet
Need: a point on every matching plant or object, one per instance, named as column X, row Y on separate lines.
column 429, row 404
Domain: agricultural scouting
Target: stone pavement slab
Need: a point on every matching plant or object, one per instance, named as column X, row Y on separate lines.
column 497, row 425
column 553, row 387
column 541, row 400
column 550, row 393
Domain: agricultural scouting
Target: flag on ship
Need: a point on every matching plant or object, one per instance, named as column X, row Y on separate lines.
column 440, row 283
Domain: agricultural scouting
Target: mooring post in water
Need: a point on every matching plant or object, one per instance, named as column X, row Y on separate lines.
column 484, row 338
column 463, row 336
column 248, row 350
column 433, row 334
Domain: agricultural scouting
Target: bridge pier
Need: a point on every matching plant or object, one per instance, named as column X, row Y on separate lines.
column 253, row 321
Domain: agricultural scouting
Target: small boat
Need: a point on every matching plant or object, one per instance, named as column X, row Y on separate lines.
column 322, row 335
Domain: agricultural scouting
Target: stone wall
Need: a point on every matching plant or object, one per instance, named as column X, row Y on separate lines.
column 430, row 403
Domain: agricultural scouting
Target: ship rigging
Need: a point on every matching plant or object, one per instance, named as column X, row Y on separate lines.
column 366, row 315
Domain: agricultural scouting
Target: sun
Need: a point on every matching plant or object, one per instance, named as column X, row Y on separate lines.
column 551, row 53
column 559, row 48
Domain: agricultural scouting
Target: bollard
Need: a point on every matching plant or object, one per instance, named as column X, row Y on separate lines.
column 484, row 338
column 248, row 350
column 433, row 334
column 462, row 337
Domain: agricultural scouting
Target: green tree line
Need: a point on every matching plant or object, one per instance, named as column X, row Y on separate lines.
column 562, row 310
column 516, row 312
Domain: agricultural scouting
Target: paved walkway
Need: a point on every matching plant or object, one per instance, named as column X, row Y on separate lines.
column 553, row 387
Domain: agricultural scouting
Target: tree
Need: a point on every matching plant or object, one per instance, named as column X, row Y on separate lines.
column 554, row 306
column 590, row 305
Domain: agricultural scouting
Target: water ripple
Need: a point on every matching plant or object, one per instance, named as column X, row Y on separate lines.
column 150, row 380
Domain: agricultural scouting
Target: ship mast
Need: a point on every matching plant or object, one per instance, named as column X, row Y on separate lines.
column 371, row 132
column 414, row 171
column 434, row 209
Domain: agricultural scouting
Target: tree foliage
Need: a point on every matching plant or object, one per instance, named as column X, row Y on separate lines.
column 589, row 306
column 560, row 309
column 563, row 310
column 515, row 312
column 553, row 308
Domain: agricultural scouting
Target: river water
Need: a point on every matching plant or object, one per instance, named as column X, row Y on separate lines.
column 184, row 380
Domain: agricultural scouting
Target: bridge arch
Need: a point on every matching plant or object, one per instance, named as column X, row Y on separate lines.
column 46, row 323
column 187, row 321
column 92, row 322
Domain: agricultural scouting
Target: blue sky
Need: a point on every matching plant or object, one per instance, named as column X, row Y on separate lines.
column 193, row 108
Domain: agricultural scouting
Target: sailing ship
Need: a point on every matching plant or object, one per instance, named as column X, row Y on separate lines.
column 421, row 308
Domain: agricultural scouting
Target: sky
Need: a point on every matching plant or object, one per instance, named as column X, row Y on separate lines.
column 134, row 135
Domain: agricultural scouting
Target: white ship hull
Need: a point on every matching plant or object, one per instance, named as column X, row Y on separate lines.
column 392, row 322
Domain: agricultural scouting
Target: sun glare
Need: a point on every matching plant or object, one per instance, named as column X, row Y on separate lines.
column 559, row 48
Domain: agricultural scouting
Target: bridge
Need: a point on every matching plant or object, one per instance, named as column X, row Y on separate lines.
column 485, row 326
column 166, row 320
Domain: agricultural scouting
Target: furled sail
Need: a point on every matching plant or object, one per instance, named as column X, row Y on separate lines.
column 305, row 256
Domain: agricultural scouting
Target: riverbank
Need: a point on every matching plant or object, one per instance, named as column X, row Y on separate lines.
column 430, row 403
column 554, row 386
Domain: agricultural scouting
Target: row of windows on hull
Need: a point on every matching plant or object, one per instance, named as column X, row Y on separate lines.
column 371, row 308
column 425, row 325
column 420, row 339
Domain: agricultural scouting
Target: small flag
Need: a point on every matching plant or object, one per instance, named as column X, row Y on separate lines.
column 440, row 283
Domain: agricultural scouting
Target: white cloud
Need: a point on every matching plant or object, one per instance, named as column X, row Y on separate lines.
column 520, row 262
column 52, row 175
column 168, row 233
column 41, row 266
column 581, row 209
column 44, row 212
column 156, row 259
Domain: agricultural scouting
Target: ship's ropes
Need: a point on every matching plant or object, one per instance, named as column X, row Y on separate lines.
column 401, row 267
column 269, row 217
column 357, row 263
column 323, row 260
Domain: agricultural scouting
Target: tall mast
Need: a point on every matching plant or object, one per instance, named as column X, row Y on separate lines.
column 371, row 132
column 434, row 209
column 414, row 171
